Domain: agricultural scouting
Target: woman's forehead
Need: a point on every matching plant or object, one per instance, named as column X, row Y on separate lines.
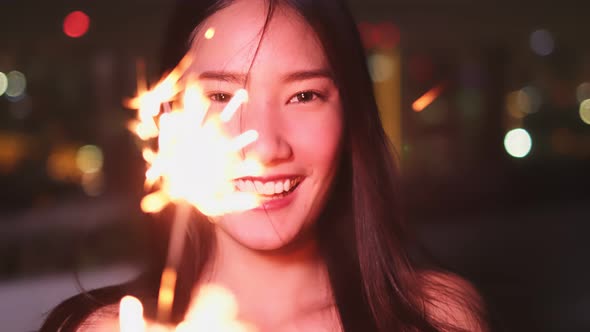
column 289, row 43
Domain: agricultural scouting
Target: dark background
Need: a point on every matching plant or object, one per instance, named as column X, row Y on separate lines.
column 515, row 227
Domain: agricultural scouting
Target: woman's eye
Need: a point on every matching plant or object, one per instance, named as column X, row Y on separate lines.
column 220, row 97
column 304, row 97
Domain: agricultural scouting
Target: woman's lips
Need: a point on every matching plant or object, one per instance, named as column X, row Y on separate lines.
column 268, row 186
column 272, row 203
column 274, row 192
column 277, row 201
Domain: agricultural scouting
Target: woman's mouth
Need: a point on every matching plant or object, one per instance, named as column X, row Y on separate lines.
column 266, row 189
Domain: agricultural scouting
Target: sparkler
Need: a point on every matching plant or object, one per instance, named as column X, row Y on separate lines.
column 194, row 166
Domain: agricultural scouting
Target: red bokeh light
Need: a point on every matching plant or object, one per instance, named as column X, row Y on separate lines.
column 76, row 24
column 384, row 35
column 390, row 35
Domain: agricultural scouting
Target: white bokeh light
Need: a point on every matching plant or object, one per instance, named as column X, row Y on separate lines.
column 381, row 67
column 518, row 143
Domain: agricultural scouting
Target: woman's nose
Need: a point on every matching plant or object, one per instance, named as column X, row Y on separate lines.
column 271, row 147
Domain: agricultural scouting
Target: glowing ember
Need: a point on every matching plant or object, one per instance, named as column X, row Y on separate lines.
column 196, row 162
column 209, row 33
column 213, row 309
column 131, row 315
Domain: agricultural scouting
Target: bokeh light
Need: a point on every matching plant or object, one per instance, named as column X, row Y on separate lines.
column 13, row 150
column 585, row 111
column 518, row 143
column 517, row 104
column 76, row 24
column 61, row 164
column 16, row 84
column 522, row 102
column 3, row 83
column 209, row 33
column 385, row 35
column 582, row 92
column 381, row 67
column 89, row 159
column 541, row 42
column 390, row 35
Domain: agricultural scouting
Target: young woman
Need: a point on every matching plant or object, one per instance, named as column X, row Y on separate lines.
column 328, row 250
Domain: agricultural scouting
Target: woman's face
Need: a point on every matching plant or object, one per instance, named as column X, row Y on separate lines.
column 293, row 104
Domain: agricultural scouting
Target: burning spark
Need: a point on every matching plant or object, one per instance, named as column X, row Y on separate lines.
column 213, row 309
column 131, row 315
column 196, row 162
column 426, row 99
column 209, row 33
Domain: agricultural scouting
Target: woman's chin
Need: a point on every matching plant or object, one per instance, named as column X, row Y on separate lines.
column 260, row 233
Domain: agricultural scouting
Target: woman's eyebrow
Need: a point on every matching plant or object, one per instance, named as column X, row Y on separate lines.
column 307, row 74
column 223, row 76
column 240, row 78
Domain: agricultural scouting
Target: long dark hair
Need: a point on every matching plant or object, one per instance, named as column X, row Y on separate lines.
column 361, row 234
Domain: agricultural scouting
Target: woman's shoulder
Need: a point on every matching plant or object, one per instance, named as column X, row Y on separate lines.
column 452, row 300
column 105, row 319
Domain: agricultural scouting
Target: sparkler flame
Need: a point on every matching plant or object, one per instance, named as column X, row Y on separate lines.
column 195, row 165
column 214, row 308
column 196, row 162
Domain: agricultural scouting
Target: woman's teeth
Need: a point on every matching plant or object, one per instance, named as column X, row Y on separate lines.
column 267, row 188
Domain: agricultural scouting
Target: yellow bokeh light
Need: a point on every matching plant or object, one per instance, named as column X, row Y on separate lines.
column 209, row 33
column 13, row 150
column 585, row 111
column 16, row 84
column 518, row 104
column 3, row 83
column 89, row 159
column 61, row 164
column 518, row 143
column 381, row 67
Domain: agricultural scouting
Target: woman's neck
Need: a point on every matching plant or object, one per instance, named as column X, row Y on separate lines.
column 271, row 287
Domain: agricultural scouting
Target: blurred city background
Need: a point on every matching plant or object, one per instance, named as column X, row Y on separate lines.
column 487, row 102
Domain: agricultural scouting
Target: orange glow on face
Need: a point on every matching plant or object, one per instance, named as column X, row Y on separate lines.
column 426, row 99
